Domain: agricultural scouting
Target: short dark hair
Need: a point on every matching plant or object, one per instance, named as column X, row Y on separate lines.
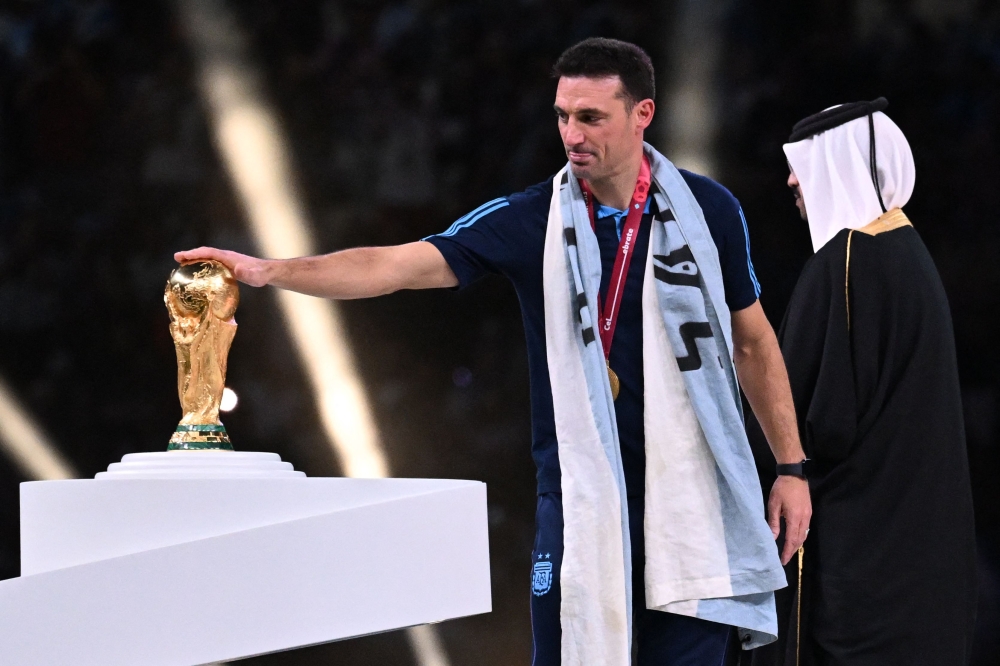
column 598, row 57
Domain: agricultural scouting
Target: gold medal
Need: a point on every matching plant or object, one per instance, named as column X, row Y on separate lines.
column 615, row 384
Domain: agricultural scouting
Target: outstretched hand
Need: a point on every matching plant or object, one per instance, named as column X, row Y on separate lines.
column 246, row 269
column 790, row 500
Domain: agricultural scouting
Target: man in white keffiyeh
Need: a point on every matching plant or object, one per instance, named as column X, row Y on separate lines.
column 889, row 576
column 651, row 539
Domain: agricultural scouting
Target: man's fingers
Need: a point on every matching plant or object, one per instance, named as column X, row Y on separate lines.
column 792, row 542
column 188, row 255
column 195, row 254
column 796, row 532
column 774, row 515
column 795, row 535
column 786, row 555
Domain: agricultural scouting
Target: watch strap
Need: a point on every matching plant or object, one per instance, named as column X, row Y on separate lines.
column 793, row 469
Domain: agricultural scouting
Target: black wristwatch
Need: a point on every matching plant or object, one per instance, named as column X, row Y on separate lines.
column 793, row 469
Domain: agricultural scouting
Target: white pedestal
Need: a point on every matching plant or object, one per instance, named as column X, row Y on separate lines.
column 139, row 570
column 201, row 465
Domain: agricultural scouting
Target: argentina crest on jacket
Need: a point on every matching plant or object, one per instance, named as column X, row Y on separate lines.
column 541, row 575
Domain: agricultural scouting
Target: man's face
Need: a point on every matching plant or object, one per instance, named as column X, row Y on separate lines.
column 800, row 203
column 598, row 132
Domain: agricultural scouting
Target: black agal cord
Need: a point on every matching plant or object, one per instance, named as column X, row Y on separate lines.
column 839, row 115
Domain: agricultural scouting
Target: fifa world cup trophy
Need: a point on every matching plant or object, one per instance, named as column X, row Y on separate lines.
column 201, row 298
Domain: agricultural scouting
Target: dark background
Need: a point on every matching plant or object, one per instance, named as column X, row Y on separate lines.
column 402, row 117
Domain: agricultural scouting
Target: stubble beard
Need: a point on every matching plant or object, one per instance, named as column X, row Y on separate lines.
column 586, row 172
column 800, row 204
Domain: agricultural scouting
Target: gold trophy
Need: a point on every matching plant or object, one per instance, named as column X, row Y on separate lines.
column 201, row 298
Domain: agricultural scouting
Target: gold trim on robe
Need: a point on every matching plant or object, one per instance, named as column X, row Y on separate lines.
column 888, row 221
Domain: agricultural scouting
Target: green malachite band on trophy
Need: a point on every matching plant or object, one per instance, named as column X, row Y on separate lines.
column 200, row 437
column 199, row 446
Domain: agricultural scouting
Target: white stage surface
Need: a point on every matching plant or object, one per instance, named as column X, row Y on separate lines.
column 155, row 564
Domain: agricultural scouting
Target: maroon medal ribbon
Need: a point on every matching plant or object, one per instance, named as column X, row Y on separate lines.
column 608, row 313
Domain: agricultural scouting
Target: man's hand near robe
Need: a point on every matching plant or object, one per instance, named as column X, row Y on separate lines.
column 762, row 374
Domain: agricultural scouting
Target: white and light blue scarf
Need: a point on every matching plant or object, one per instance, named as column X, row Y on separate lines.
column 709, row 551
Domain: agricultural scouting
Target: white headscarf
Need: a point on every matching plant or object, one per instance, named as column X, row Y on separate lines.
column 835, row 178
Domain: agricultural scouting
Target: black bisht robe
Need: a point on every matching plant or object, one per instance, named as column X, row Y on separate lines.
column 889, row 569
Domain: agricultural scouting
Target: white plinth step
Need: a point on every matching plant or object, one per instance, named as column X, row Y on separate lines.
column 210, row 464
column 180, row 571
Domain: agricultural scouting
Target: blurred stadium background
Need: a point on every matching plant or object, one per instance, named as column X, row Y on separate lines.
column 364, row 122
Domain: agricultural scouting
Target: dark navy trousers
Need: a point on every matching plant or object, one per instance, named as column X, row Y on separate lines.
column 660, row 639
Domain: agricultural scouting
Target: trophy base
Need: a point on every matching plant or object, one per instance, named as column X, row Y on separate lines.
column 201, row 464
column 211, row 437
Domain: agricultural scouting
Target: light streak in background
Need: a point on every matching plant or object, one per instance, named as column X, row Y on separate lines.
column 24, row 442
column 690, row 99
column 426, row 645
column 254, row 150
